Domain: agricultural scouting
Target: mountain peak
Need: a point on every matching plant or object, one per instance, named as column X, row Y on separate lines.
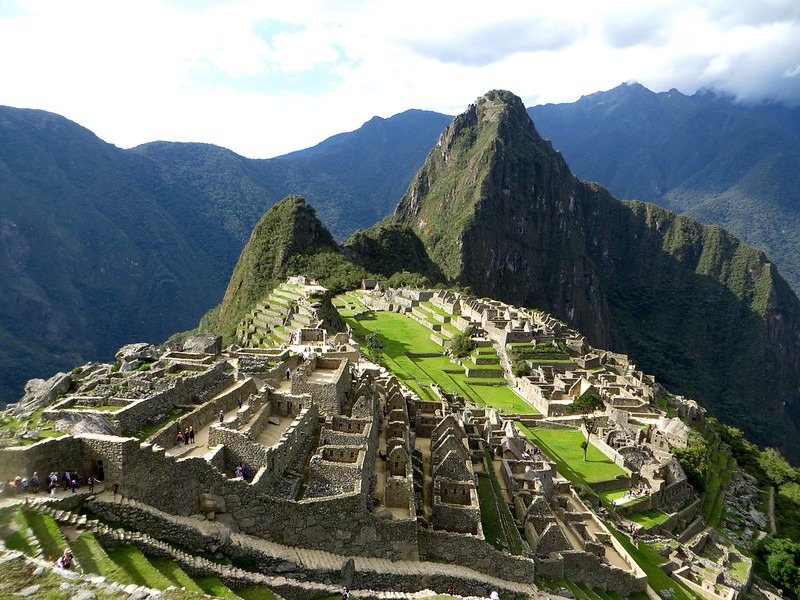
column 290, row 227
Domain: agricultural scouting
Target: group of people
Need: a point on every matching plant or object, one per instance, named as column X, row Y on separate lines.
column 186, row 437
column 69, row 480
column 242, row 471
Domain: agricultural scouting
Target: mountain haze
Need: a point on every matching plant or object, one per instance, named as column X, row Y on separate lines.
column 498, row 210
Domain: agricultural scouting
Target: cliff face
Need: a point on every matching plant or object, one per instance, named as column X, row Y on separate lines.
column 498, row 209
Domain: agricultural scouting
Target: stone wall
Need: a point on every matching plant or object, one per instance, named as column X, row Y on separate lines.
column 274, row 459
column 188, row 389
column 330, row 397
column 582, row 567
column 55, row 454
column 475, row 553
column 207, row 413
column 177, row 487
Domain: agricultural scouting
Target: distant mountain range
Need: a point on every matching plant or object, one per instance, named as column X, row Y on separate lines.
column 101, row 246
column 720, row 162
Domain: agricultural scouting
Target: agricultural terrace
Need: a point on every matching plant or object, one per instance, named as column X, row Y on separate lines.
column 563, row 446
column 416, row 360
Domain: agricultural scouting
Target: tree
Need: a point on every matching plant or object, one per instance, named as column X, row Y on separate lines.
column 461, row 345
column 586, row 405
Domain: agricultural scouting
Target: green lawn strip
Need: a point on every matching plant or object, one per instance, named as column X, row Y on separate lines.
column 564, row 447
column 13, row 530
column 400, row 334
column 47, row 533
column 512, row 534
column 172, row 571
column 435, row 309
column 93, row 559
column 589, row 592
column 256, row 593
column 490, row 516
column 648, row 518
column 649, row 561
column 502, row 398
column 214, row 587
column 468, row 364
column 138, row 567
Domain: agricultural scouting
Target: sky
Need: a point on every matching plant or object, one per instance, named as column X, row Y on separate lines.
column 264, row 78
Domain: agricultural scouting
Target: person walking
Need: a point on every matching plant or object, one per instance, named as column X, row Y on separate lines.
column 221, row 415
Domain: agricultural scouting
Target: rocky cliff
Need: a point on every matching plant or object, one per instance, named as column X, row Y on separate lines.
column 498, row 210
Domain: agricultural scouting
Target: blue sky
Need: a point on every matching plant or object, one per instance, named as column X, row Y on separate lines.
column 265, row 78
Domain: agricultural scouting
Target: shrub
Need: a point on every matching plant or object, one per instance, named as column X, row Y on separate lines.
column 461, row 345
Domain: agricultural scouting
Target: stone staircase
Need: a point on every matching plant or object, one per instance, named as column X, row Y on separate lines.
column 301, row 573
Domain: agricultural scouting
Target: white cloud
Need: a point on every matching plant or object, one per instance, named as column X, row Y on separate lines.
column 267, row 78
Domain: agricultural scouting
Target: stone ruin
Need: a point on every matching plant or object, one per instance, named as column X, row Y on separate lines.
column 345, row 459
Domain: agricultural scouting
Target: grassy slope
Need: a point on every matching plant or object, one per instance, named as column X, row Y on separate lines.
column 564, row 447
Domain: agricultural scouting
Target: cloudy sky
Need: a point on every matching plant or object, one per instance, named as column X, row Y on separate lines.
column 267, row 77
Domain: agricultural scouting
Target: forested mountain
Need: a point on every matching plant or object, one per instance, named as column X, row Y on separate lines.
column 101, row 246
column 720, row 162
column 498, row 210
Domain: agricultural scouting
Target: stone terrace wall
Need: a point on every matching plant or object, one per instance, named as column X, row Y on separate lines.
column 475, row 553
column 329, row 396
column 342, row 524
column 186, row 390
column 55, row 454
column 583, row 567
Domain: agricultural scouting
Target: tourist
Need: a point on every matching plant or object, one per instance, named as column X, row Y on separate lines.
column 90, row 481
column 239, row 401
column 494, row 596
column 345, row 593
column 73, row 484
column 66, row 560
column 186, row 438
column 35, row 482
column 18, row 484
column 191, row 434
column 288, row 374
column 180, row 438
column 245, row 471
column 451, row 590
column 66, row 478
column 221, row 415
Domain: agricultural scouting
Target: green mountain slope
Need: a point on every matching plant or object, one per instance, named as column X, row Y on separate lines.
column 498, row 210
column 285, row 234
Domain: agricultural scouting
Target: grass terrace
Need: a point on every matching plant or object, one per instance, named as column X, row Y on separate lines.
column 564, row 447
column 648, row 518
column 419, row 362
column 650, row 561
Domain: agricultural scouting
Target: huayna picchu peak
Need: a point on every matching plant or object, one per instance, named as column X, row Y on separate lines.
column 498, row 210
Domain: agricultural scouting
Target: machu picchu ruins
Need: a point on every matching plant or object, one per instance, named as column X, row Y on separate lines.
column 295, row 453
